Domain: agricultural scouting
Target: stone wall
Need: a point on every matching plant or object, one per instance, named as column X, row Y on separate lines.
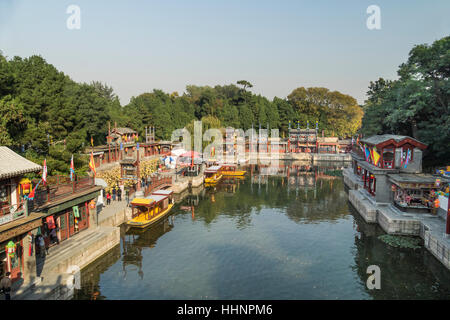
column 363, row 206
column 437, row 248
column 87, row 254
column 350, row 179
column 396, row 225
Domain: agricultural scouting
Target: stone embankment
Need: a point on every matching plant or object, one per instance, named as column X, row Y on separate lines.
column 431, row 228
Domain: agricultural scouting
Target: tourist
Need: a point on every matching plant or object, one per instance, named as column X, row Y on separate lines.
column 114, row 194
column 5, row 286
column 42, row 248
column 119, row 195
column 53, row 236
column 108, row 198
column 127, row 196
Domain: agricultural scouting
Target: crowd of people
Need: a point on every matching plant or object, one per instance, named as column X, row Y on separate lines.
column 114, row 194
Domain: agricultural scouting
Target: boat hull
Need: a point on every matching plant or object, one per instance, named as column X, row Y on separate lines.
column 213, row 180
column 233, row 173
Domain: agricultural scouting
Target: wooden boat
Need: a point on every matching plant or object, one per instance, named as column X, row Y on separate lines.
column 213, row 175
column 147, row 211
column 231, row 170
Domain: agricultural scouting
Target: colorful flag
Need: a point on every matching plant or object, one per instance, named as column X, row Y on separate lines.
column 408, row 156
column 30, row 196
column 360, row 145
column 367, row 153
column 376, row 157
column 401, row 157
column 92, row 141
column 72, row 169
column 92, row 163
column 44, row 172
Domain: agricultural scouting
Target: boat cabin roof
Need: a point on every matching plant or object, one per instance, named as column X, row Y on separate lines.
column 148, row 201
column 156, row 197
column 162, row 192
column 229, row 165
column 142, row 202
column 213, row 168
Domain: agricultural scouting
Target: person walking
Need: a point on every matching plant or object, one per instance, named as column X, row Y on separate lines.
column 114, row 194
column 119, row 194
column 127, row 195
column 108, row 198
column 42, row 247
column 5, row 286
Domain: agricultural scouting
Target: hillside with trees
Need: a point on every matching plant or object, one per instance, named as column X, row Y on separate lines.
column 45, row 114
column 417, row 103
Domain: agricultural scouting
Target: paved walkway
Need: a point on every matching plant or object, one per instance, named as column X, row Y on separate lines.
column 51, row 270
column 110, row 210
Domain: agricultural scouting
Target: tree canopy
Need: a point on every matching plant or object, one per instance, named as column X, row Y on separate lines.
column 416, row 104
column 45, row 114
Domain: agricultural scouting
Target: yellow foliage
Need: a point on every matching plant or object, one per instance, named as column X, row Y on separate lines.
column 112, row 176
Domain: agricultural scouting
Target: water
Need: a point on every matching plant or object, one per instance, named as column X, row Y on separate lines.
column 266, row 237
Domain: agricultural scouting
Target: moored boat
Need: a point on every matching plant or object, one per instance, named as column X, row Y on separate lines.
column 231, row 170
column 213, row 175
column 147, row 211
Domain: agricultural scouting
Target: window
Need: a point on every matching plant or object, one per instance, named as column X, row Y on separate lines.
column 388, row 158
column 5, row 197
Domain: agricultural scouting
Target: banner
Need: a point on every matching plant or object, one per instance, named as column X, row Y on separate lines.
column 376, row 157
column 92, row 163
column 72, row 169
column 44, row 172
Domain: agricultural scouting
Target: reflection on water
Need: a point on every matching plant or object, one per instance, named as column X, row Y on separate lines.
column 280, row 233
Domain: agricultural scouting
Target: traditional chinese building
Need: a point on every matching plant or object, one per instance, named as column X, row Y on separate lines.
column 58, row 210
column 16, row 221
column 303, row 140
column 389, row 168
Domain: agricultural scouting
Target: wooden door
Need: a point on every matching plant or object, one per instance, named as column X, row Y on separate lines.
column 63, row 226
column 83, row 219
column 71, row 223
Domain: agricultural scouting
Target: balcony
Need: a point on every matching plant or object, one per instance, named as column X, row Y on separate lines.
column 57, row 188
column 12, row 212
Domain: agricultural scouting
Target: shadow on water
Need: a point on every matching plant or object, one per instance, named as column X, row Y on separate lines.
column 288, row 235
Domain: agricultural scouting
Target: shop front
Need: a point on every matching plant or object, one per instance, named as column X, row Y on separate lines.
column 16, row 249
column 417, row 193
column 11, row 255
column 65, row 224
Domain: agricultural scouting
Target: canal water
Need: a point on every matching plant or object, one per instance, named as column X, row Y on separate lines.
column 284, row 233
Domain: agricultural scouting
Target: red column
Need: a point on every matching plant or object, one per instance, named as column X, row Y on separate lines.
column 447, row 230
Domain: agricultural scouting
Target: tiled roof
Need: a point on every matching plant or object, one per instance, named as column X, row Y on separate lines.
column 377, row 139
column 12, row 164
column 124, row 130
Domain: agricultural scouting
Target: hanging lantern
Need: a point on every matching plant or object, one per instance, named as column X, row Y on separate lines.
column 92, row 204
column 394, row 188
column 11, row 248
column 26, row 185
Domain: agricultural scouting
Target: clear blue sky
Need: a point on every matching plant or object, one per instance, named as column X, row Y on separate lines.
column 136, row 46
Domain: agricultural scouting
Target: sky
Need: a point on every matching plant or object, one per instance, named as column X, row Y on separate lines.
column 136, row 46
